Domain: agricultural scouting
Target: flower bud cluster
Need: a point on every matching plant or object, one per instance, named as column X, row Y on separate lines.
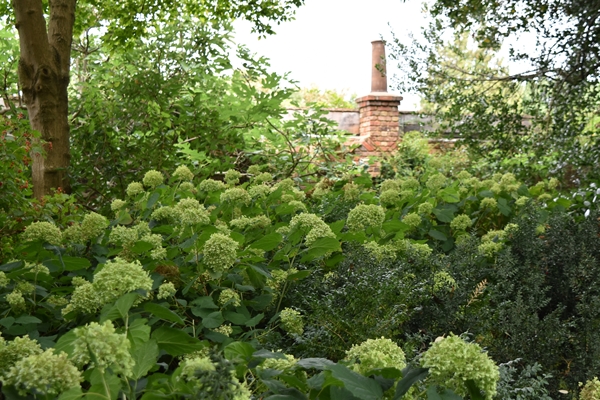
column 99, row 346
column 236, row 196
column 365, row 216
column 232, row 177
column 43, row 373
column 166, row 290
column 285, row 364
column 452, row 361
column 183, row 173
column 443, row 282
column 381, row 252
column 461, row 222
column 43, row 230
column 17, row 349
column 220, row 252
column 291, row 321
column 351, row 191
column 153, row 179
column 211, row 185
column 313, row 225
column 412, row 219
column 389, row 197
column 92, row 226
column 229, row 297
column 376, row 353
column 243, row 223
column 134, row 188
column 259, row 191
column 191, row 212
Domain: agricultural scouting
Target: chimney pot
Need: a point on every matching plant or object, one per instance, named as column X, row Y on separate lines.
column 378, row 71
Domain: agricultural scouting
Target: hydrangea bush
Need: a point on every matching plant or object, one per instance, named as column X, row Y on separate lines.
column 186, row 283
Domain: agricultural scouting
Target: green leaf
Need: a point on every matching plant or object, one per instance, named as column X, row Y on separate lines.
column 337, row 226
column 316, row 363
column 7, row 322
column 321, row 247
column 410, row 377
column 138, row 332
column 503, row 206
column 361, row 387
column 298, row 275
column 444, row 214
column 163, row 313
column 104, row 386
column 205, row 302
column 125, row 302
column 152, row 200
column 141, row 247
column 255, row 320
column 450, row 195
column 73, row 263
column 65, row 343
column 236, row 318
column 27, row 319
column 71, row 394
column 395, row 226
column 145, row 356
column 433, row 393
column 175, row 341
column 437, row 235
column 474, row 391
column 239, row 350
column 213, row 320
column 268, row 242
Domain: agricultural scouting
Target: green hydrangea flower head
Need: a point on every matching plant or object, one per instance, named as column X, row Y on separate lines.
column 463, row 176
column 191, row 212
column 4, row 280
column 25, row 287
column 489, row 202
column 376, row 353
column 315, row 227
column 232, row 177
column 591, row 390
column 420, row 250
column 297, row 206
column 92, row 226
column 134, row 188
column 117, row 205
column 236, row 196
column 183, row 173
column 119, row 277
column 389, row 197
column 461, row 222
column 211, row 185
column 452, row 361
column 285, row 364
column 436, row 182
column 153, row 179
column 253, row 170
column 259, row 191
column 412, row 219
column 158, row 252
column 365, row 216
column 186, row 187
column 262, row 178
column 544, row 197
column 351, row 191
column 553, row 183
column 521, row 201
column 220, row 252
column 410, row 184
column 291, row 321
column 44, row 373
column 224, row 329
column 285, row 184
column 99, row 346
column 229, row 297
column 243, row 223
column 381, row 252
column 389, row 184
column 166, row 290
column 17, row 349
column 43, row 230
column 425, row 208
column 16, row 301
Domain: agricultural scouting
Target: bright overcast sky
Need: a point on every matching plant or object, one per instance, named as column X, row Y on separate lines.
column 329, row 43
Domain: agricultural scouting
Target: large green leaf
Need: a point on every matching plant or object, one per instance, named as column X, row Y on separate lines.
column 321, row 247
column 268, row 242
column 361, row 387
column 65, row 343
column 175, row 341
column 213, row 320
column 435, row 393
column 105, row 386
column 239, row 350
column 410, row 377
column 145, row 356
column 138, row 332
column 163, row 313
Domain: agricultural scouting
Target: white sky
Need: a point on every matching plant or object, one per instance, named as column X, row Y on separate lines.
column 329, row 43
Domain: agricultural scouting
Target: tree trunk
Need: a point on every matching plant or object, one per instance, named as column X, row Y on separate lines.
column 44, row 69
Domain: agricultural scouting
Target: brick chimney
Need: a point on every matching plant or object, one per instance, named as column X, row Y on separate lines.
column 378, row 111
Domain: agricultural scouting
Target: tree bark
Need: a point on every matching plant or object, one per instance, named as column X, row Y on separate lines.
column 44, row 69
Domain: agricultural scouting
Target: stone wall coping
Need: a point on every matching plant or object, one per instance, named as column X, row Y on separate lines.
column 379, row 96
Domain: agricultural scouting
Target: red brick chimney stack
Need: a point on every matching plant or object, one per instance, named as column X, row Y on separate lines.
column 379, row 128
